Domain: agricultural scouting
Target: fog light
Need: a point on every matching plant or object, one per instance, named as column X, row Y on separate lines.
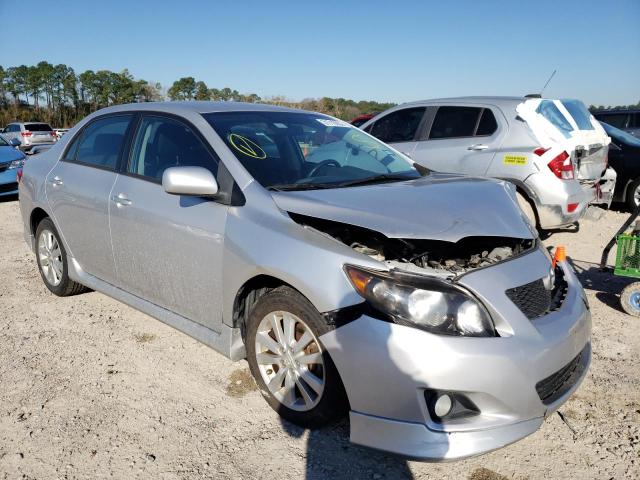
column 443, row 405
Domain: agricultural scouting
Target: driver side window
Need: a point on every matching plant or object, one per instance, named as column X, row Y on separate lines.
column 161, row 143
column 398, row 126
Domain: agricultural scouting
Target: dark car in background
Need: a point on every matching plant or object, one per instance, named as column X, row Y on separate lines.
column 627, row 120
column 624, row 157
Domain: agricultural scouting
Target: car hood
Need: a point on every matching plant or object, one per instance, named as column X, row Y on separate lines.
column 9, row 154
column 436, row 207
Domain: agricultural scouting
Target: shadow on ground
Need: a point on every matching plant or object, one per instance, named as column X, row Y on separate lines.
column 331, row 455
column 606, row 285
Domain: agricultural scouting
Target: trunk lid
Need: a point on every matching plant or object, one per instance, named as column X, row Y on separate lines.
column 567, row 124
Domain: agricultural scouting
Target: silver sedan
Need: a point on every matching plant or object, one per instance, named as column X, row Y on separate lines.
column 349, row 277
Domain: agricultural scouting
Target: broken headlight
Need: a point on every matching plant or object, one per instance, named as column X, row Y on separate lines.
column 430, row 304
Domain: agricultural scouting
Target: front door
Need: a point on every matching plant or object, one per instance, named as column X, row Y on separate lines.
column 168, row 248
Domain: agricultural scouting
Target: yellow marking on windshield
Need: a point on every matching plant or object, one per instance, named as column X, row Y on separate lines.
column 247, row 147
column 518, row 160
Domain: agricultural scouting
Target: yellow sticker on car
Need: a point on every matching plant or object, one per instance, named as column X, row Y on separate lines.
column 518, row 160
column 247, row 147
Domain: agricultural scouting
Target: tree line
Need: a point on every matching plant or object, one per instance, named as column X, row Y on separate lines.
column 56, row 94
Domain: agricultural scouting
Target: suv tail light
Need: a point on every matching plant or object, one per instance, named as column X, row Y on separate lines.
column 562, row 167
column 26, row 134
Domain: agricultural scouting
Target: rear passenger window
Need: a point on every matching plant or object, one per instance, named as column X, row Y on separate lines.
column 161, row 143
column 487, row 125
column 101, row 141
column 399, row 126
column 455, row 122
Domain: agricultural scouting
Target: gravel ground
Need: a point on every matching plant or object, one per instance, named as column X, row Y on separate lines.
column 90, row 388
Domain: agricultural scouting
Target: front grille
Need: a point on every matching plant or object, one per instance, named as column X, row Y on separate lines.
column 555, row 386
column 8, row 187
column 534, row 300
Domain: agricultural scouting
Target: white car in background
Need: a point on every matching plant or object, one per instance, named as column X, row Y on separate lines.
column 554, row 151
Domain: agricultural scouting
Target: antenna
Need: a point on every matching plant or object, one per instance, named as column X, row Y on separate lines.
column 548, row 81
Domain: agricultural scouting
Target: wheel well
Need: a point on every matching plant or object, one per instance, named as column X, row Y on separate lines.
column 249, row 294
column 526, row 196
column 37, row 216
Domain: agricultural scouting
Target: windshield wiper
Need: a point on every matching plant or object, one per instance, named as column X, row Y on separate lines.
column 386, row 177
column 286, row 187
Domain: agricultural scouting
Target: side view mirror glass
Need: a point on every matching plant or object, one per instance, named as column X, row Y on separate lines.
column 14, row 142
column 195, row 181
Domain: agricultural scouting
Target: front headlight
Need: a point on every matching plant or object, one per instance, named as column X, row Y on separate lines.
column 430, row 304
column 16, row 164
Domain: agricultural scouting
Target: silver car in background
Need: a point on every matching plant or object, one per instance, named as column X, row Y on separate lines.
column 349, row 277
column 30, row 134
column 554, row 151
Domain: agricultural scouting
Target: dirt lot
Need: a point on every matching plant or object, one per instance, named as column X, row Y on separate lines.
column 90, row 388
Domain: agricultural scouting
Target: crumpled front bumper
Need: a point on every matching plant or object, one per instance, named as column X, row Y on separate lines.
column 387, row 367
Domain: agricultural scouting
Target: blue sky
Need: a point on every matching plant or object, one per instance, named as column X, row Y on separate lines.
column 380, row 50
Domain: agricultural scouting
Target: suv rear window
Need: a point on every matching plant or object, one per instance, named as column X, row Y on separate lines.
column 552, row 113
column 579, row 113
column 37, row 127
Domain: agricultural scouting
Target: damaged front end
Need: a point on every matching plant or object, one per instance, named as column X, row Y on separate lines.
column 421, row 256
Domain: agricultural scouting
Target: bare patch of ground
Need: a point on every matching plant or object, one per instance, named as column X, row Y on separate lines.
column 90, row 388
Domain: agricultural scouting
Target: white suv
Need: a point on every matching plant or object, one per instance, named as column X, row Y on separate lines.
column 30, row 134
column 554, row 151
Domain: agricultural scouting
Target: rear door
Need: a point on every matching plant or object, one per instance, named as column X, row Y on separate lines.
column 168, row 248
column 399, row 128
column 78, row 190
column 461, row 139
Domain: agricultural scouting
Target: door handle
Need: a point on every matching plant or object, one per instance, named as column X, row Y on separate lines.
column 56, row 181
column 478, row 146
column 121, row 200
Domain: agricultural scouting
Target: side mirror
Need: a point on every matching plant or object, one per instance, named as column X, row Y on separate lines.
column 14, row 142
column 194, row 181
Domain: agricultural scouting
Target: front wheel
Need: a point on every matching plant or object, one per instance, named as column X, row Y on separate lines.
column 633, row 195
column 292, row 369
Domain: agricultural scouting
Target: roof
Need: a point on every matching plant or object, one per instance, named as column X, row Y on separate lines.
column 496, row 100
column 198, row 107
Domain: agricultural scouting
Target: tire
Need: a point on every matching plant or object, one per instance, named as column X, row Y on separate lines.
column 288, row 379
column 630, row 299
column 52, row 261
column 630, row 200
column 527, row 209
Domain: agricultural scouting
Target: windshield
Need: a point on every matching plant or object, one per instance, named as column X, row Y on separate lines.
column 620, row 135
column 306, row 150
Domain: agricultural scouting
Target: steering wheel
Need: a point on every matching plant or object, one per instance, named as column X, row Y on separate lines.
column 324, row 163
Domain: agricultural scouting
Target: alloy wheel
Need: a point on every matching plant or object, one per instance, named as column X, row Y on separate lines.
column 290, row 360
column 50, row 257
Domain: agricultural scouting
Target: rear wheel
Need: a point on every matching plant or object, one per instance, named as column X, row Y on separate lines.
column 630, row 299
column 52, row 261
column 292, row 369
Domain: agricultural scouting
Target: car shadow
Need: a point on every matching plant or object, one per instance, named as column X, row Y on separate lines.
column 606, row 285
column 329, row 454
